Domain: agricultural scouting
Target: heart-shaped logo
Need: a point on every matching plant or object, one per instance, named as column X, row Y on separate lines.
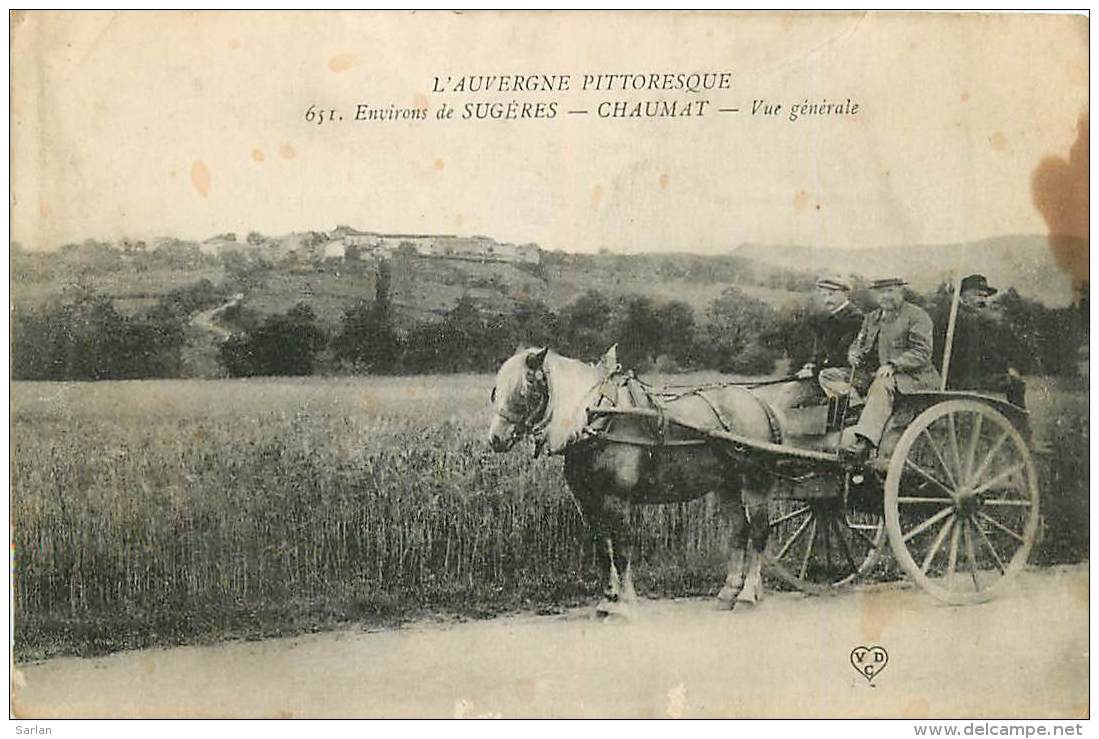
column 869, row 661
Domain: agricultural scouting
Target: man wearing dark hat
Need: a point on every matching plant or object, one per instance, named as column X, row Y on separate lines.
column 827, row 332
column 897, row 337
column 981, row 346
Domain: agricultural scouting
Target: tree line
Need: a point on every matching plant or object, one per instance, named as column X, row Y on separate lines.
column 85, row 338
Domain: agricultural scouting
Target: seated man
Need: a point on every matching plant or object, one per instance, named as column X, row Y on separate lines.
column 979, row 355
column 829, row 330
column 897, row 336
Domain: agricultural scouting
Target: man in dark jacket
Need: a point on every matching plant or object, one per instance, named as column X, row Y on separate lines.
column 827, row 333
column 898, row 338
column 982, row 347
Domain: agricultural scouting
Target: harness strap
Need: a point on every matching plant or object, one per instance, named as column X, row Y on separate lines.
column 772, row 420
column 725, row 425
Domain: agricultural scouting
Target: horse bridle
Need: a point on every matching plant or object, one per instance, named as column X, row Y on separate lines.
column 536, row 397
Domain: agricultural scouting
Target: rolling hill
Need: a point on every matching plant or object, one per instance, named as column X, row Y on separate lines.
column 1022, row 262
column 425, row 287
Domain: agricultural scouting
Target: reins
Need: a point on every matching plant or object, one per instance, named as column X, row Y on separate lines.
column 688, row 389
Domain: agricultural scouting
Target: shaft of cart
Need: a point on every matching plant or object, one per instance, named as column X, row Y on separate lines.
column 736, row 440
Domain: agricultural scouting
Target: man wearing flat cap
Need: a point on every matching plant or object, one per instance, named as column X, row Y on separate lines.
column 981, row 347
column 897, row 337
column 828, row 331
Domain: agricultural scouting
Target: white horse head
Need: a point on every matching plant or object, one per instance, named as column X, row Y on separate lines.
column 544, row 395
column 519, row 398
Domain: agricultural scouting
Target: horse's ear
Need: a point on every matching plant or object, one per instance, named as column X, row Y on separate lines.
column 610, row 359
column 535, row 360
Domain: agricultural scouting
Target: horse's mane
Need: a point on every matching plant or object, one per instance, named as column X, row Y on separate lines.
column 569, row 383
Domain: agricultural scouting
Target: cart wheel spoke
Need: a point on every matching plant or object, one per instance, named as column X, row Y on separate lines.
column 971, row 451
column 953, row 559
column 1013, row 534
column 928, row 523
column 999, row 478
column 954, row 447
column 1006, row 502
column 808, row 550
column 939, row 538
column 942, row 462
column 988, row 543
column 970, row 552
column 989, row 456
column 929, row 477
column 788, row 516
column 857, row 530
column 790, row 542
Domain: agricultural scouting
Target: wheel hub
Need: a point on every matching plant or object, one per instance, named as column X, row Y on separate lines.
column 966, row 501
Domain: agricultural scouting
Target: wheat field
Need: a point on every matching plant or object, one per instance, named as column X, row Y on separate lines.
column 165, row 512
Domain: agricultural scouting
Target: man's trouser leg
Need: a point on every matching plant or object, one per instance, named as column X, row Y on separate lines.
column 879, row 407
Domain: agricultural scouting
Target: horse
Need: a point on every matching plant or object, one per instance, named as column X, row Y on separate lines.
column 634, row 459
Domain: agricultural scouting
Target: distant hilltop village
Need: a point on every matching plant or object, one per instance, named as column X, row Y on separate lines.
column 346, row 244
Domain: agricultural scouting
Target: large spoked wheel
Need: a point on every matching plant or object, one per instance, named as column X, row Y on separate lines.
column 961, row 501
column 817, row 546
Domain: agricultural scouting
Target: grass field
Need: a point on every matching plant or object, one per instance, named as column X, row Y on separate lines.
column 166, row 512
column 130, row 292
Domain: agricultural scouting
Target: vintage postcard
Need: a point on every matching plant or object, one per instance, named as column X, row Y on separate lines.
column 550, row 364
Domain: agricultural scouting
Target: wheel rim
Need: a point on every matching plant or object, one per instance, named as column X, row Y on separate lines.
column 961, row 503
column 816, row 546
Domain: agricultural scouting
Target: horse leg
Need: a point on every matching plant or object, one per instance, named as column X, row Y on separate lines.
column 620, row 515
column 614, row 597
column 757, row 507
column 616, row 552
column 600, row 539
column 598, row 531
column 733, row 510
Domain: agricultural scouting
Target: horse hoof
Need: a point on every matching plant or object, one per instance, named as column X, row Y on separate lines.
column 609, row 610
column 728, row 595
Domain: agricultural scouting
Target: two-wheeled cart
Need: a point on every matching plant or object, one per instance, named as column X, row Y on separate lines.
column 953, row 489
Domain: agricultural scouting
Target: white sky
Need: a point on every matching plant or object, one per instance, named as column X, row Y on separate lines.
column 148, row 124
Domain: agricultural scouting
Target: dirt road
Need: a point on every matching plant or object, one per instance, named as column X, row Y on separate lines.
column 206, row 320
column 1024, row 654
